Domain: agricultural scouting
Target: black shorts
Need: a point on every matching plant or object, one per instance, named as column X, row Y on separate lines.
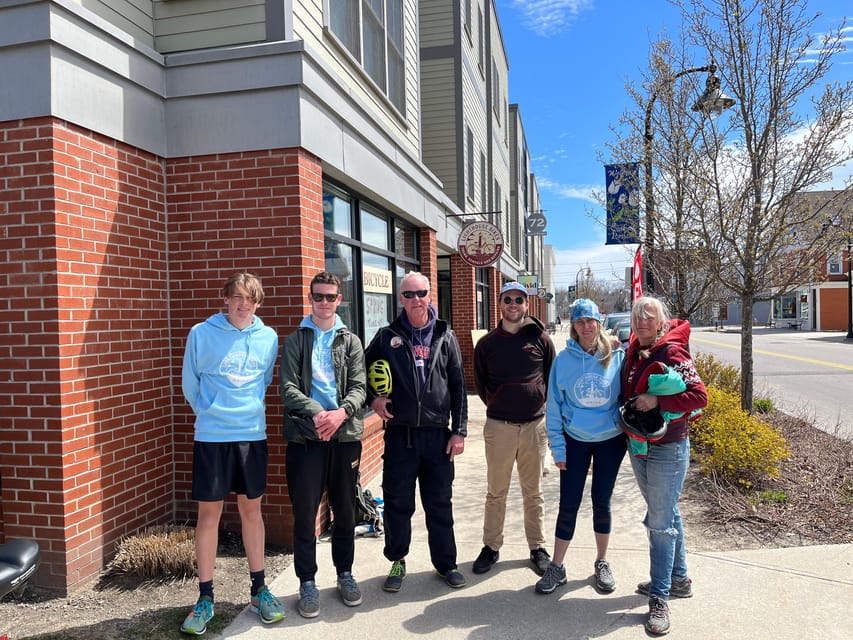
column 220, row 468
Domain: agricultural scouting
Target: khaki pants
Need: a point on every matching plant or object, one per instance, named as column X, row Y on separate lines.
column 524, row 444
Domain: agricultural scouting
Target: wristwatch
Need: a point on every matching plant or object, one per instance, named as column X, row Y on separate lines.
column 347, row 409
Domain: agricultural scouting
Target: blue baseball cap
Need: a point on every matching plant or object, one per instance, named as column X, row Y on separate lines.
column 513, row 286
column 584, row 308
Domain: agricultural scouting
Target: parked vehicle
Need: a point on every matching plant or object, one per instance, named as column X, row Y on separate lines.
column 623, row 332
column 613, row 319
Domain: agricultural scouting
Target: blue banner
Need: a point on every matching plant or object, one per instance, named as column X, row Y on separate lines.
column 623, row 203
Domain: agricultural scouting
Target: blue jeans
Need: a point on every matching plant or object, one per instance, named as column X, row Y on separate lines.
column 660, row 478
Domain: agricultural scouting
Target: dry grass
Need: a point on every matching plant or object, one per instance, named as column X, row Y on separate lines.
column 162, row 552
column 810, row 503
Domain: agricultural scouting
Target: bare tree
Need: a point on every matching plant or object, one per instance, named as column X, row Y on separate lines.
column 786, row 135
column 669, row 137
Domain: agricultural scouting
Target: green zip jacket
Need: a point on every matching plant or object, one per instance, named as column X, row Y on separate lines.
column 295, row 381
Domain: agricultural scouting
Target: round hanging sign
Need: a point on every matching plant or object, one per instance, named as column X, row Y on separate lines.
column 480, row 244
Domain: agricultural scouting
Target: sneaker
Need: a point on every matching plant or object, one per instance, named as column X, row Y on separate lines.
column 658, row 621
column 540, row 559
column 348, row 588
column 553, row 577
column 309, row 600
column 604, row 580
column 202, row 613
column 267, row 606
column 678, row 588
column 394, row 581
column 485, row 560
column 454, row 578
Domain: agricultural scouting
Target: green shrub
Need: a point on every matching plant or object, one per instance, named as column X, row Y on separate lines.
column 735, row 446
column 717, row 374
column 763, row 405
column 769, row 496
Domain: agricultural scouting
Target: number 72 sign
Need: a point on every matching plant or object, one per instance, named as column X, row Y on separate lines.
column 535, row 224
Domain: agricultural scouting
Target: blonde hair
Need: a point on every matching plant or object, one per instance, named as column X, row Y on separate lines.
column 649, row 307
column 602, row 343
column 247, row 281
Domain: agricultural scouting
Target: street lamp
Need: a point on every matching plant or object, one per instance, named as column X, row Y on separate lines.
column 849, row 291
column 712, row 102
column 577, row 280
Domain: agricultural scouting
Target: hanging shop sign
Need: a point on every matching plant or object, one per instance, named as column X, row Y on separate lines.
column 480, row 244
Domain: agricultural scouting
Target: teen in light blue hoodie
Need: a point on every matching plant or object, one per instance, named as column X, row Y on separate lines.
column 228, row 365
column 225, row 377
column 581, row 420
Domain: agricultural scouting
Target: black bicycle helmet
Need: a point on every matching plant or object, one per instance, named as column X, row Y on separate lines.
column 646, row 425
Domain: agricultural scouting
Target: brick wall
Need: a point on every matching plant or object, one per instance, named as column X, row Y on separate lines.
column 110, row 256
column 464, row 312
column 87, row 449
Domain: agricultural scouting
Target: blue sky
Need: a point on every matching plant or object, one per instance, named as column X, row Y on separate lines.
column 569, row 63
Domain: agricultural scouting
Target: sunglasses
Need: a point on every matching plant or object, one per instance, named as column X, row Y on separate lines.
column 328, row 297
column 510, row 300
column 421, row 293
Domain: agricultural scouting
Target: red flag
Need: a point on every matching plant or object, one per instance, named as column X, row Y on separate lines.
column 637, row 276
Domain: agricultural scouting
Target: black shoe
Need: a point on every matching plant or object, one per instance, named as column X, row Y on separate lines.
column 485, row 560
column 394, row 581
column 453, row 578
column 677, row 589
column 540, row 559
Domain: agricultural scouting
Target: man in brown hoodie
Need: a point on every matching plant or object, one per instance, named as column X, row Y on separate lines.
column 511, row 367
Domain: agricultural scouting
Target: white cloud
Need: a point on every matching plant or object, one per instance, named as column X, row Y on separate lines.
column 550, row 17
column 569, row 191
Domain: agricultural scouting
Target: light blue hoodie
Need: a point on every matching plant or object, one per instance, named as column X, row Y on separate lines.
column 583, row 398
column 225, row 377
column 324, row 387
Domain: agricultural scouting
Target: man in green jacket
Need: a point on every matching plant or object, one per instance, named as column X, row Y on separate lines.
column 323, row 389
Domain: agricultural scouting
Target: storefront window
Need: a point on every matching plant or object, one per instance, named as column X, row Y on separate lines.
column 368, row 259
column 374, row 230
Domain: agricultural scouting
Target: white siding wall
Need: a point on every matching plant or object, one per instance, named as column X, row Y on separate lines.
column 475, row 106
column 499, row 114
column 308, row 26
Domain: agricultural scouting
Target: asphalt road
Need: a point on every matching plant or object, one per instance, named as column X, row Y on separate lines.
column 805, row 373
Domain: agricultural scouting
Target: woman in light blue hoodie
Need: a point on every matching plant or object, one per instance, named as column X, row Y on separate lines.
column 581, row 419
column 228, row 365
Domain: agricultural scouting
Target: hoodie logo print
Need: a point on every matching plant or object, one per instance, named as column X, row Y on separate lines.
column 592, row 390
column 240, row 368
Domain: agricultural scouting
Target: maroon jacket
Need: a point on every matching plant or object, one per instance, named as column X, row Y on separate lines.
column 671, row 349
column 511, row 371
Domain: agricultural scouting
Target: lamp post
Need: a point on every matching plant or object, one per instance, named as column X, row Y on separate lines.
column 712, row 102
column 577, row 280
column 849, row 291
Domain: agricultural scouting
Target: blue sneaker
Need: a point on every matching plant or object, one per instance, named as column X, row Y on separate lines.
column 267, row 606
column 195, row 623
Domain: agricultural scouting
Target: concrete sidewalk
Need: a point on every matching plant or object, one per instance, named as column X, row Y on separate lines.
column 801, row 592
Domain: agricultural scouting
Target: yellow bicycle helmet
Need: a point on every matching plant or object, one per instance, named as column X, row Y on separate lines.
column 379, row 377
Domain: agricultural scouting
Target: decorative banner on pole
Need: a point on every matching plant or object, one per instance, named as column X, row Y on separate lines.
column 623, row 203
column 637, row 276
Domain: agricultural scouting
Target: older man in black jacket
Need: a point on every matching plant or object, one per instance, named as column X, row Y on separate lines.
column 427, row 396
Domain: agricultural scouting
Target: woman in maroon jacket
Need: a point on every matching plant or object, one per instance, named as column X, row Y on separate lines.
column 660, row 475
